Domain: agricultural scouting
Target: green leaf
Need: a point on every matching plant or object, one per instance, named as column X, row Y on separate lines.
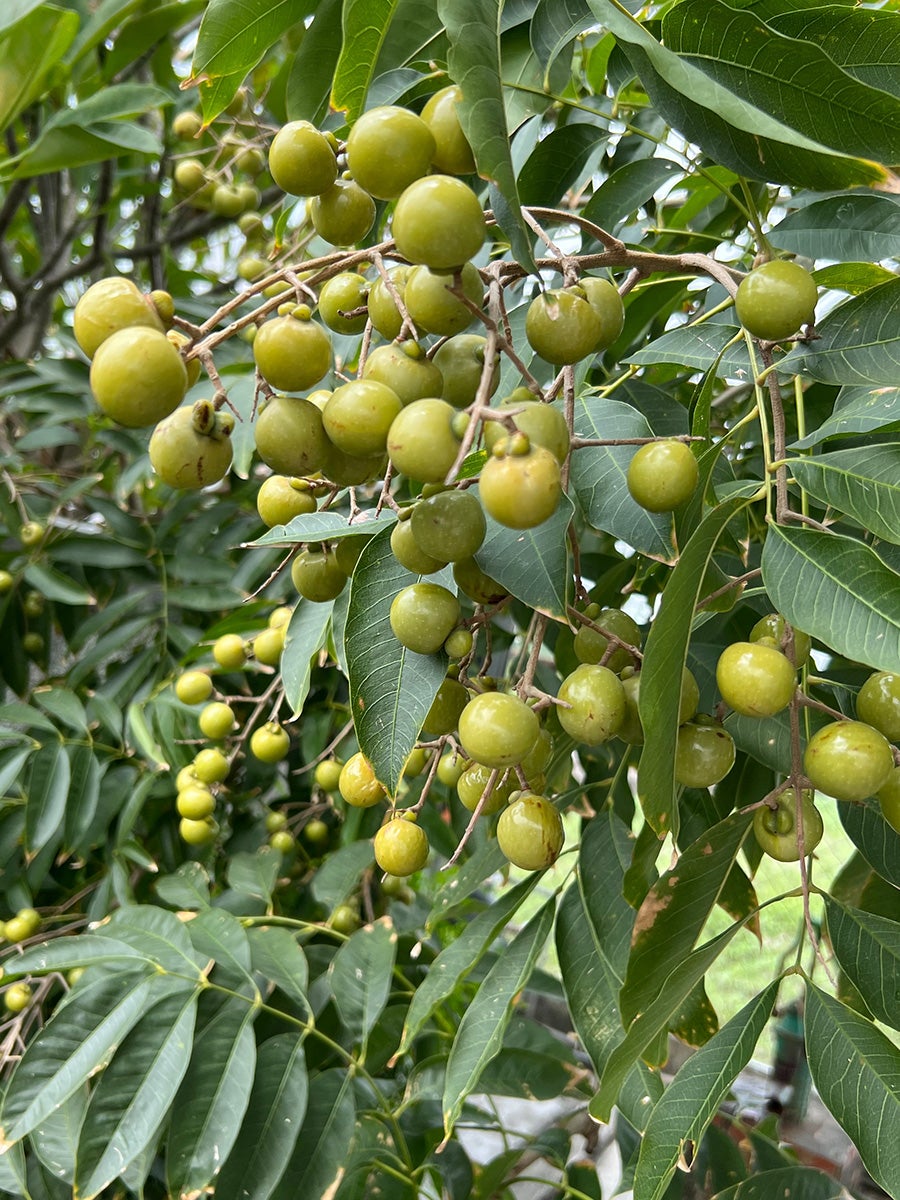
column 557, row 164
column 732, row 131
column 473, row 62
column 254, row 874
column 856, row 1071
column 360, row 978
column 876, row 841
column 793, row 81
column 15, row 11
column 312, row 71
column 365, row 25
column 235, row 34
column 187, row 887
column 306, row 634
column 665, row 656
column 854, row 278
column 275, row 954
column 64, row 705
column 799, row 1183
column 32, row 43
column 134, row 1093
column 858, row 342
column 48, row 789
column 271, row 1124
column 83, row 950
column 219, row 936
column 675, row 911
column 391, row 688
column 867, row 947
column 837, row 590
column 629, row 187
column 56, row 1139
column 853, row 227
column 681, row 1117
column 864, row 42
column 324, row 527
column 480, row 1033
column 598, row 475
column 211, row 1103
column 85, row 777
column 532, row 564
column 317, row 1166
column 701, row 346
column 159, row 934
column 863, row 484
column 461, row 956
column 56, row 586
column 857, row 410
column 554, row 25
column 463, row 880
column 339, row 874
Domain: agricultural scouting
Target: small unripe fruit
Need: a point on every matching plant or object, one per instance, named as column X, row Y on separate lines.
column 197, row 833
column 217, row 720
column 530, row 832
column 229, row 651
column 268, row 646
column 17, row 997
column 283, row 842
column 210, row 766
column 270, row 743
column 328, row 773
column 193, row 687
column 196, row 803
column 401, row 847
column 358, row 784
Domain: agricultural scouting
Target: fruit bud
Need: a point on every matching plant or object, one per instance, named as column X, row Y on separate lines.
column 164, row 305
column 224, row 424
column 459, row 423
column 302, row 312
column 286, row 309
column 433, row 489
column 203, row 416
column 412, row 350
column 276, row 289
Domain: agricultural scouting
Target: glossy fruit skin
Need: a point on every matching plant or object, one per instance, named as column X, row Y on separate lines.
column 344, row 214
column 848, row 760
column 446, row 708
column 328, row 773
column 383, row 311
column 520, row 491
column 290, row 436
column 227, row 201
column 107, row 306
column 422, row 615
column 704, row 754
column 216, row 720
column 230, row 652
column 450, row 525
column 193, row 687
column 387, row 148
column 340, row 295
column 270, row 743
column 187, row 125
column 317, row 575
column 421, row 441
column 344, row 919
column 889, row 799
column 497, row 729
column 268, row 646
column 316, row 833
column 755, row 680
column 404, row 368
column 590, row 645
column 631, row 730
column 606, row 302
column 301, row 160
column 561, row 326
column 17, row 997
column 196, row 803
column 438, row 222
column 452, row 152
column 210, row 766
column 530, row 832
column 33, row 644
column 358, row 785
column 278, row 501
column 406, row 550
column 478, row 586
column 662, row 475
column 776, row 828
column 138, row 377
column 186, row 459
column 292, row 354
column 347, row 470
column 878, row 703
column 461, row 363
column 472, row 783
column 545, row 424
column 776, row 299
column 7, row 582
column 773, row 625
column 459, row 643
column 283, row 841
column 450, row 769
column 197, row 833
column 597, row 704
column 433, row 307
column 31, row 534
column 189, row 175
column 179, row 340
column 358, row 416
column 401, row 847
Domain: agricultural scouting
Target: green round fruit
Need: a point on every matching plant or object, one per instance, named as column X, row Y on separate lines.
column 520, row 490
column 216, row 720
column 704, row 754
column 138, row 377
column 252, row 267
column 290, row 436
column 403, row 368
column 889, row 799
column 301, row 160
column 459, row 643
column 422, row 442
column 596, row 704
column 450, row 525
column 187, row 125
column 878, row 703
column 276, row 820
column 446, row 708
column 590, row 645
column 108, row 306
column 460, row 361
column 438, row 222
column 562, row 327
column 545, row 424
column 342, row 295
column 283, row 841
column 773, row 625
column 31, row 534
column 497, row 729
column 662, row 475
column 193, row 687
column 387, row 149
column 344, row 919
column 606, row 302
column 452, row 152
column 227, row 201
column 328, row 773
column 776, row 299
column 33, row 644
column 848, row 760
column 422, row 615
column 358, row 416
column 357, row 783
column 17, row 997
column 631, row 730
column 450, row 769
column 316, row 574
column 401, row 847
column 197, row 833
column 210, row 766
column 383, row 311
column 195, row 803
column 433, row 307
column 530, row 832
column 270, row 743
column 405, row 549
column 186, row 778
column 478, row 586
column 7, row 582
column 229, row 651
column 344, row 214
column 755, row 680
column 268, row 646
column 34, row 604
column 777, row 828
column 280, row 617
column 292, row 353
column 473, row 782
column 186, row 459
column 281, row 498
column 31, row 919
column 190, row 176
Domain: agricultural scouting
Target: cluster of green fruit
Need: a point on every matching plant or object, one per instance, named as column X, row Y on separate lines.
column 224, row 179
column 19, row 928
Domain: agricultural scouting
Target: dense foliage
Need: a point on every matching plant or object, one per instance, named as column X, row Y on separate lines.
column 607, row 645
